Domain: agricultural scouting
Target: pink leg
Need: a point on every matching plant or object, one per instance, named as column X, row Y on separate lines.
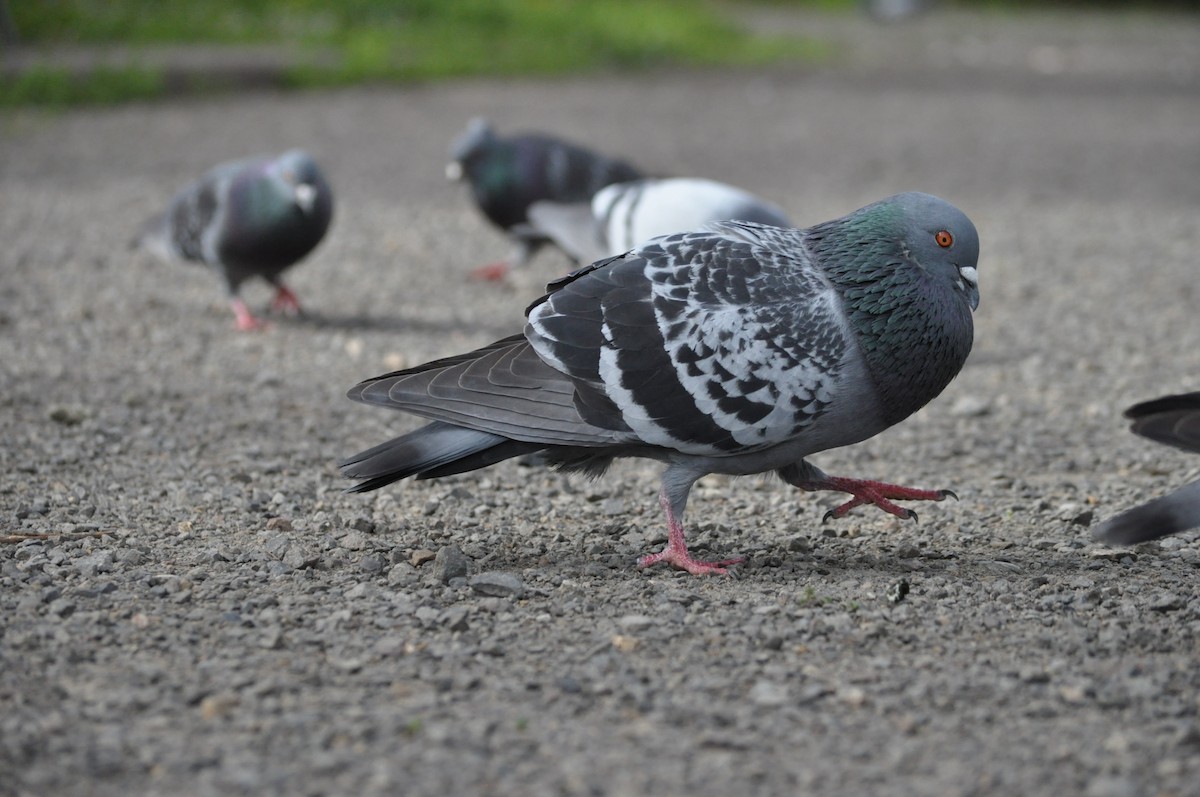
column 285, row 301
column 245, row 320
column 676, row 552
column 880, row 494
column 492, row 272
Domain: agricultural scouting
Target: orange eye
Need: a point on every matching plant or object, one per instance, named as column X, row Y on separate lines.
column 944, row 239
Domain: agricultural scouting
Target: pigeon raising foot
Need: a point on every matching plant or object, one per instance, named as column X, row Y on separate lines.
column 739, row 348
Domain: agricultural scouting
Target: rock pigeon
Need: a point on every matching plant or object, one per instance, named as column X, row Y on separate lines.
column 740, row 348
column 248, row 218
column 507, row 175
column 1173, row 421
column 622, row 215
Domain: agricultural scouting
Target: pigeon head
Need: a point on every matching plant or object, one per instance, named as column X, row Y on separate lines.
column 939, row 238
column 276, row 211
column 302, row 179
column 471, row 141
column 906, row 270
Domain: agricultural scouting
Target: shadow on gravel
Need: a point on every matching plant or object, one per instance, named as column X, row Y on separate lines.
column 386, row 324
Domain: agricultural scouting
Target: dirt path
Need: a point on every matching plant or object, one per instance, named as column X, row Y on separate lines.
column 247, row 628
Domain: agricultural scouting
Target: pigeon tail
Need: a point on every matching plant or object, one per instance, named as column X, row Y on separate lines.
column 436, row 449
column 1171, row 514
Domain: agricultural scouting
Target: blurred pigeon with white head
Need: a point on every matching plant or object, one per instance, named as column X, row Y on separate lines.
column 737, row 349
column 247, row 218
column 623, row 215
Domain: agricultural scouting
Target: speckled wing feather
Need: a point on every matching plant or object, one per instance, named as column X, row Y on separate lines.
column 716, row 342
column 191, row 220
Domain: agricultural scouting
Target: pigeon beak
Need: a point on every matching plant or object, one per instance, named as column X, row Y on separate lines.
column 306, row 195
column 454, row 171
column 969, row 279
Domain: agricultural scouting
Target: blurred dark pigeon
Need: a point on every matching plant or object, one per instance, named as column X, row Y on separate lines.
column 508, row 174
column 623, row 215
column 248, row 218
column 739, row 349
column 1173, row 421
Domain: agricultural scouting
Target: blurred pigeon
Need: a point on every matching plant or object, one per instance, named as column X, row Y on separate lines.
column 738, row 349
column 1173, row 421
column 507, row 175
column 623, row 215
column 248, row 218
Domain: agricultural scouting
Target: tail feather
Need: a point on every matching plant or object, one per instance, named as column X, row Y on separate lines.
column 1173, row 513
column 1170, row 420
column 437, row 449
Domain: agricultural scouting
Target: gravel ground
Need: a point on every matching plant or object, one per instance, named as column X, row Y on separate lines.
column 201, row 610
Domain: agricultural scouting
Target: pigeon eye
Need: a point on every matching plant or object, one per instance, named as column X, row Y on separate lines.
column 944, row 239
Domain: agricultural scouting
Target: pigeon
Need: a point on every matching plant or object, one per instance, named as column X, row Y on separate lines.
column 739, row 348
column 247, row 218
column 507, row 175
column 622, row 215
column 1173, row 421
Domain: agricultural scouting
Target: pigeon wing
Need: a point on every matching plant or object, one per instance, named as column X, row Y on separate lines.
column 710, row 343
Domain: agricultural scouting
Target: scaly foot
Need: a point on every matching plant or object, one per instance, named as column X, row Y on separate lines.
column 880, row 494
column 676, row 553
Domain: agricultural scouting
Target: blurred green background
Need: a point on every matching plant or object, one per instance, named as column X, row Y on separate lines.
column 321, row 43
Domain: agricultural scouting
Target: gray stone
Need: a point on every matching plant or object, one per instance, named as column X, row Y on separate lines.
column 497, row 584
column 450, row 563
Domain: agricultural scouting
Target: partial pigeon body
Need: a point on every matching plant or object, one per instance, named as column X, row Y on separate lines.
column 623, row 215
column 738, row 349
column 249, row 218
column 1172, row 421
column 508, row 174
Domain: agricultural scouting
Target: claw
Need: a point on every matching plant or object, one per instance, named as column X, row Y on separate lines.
column 879, row 494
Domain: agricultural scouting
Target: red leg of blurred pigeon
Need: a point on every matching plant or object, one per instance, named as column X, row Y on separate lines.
column 676, row 552
column 246, row 322
column 492, row 272
column 285, row 301
column 881, row 494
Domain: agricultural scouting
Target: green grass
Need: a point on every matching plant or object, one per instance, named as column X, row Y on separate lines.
column 59, row 87
column 357, row 41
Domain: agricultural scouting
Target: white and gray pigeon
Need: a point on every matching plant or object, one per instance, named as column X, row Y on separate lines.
column 508, row 174
column 737, row 349
column 623, row 215
column 248, row 218
column 1173, row 421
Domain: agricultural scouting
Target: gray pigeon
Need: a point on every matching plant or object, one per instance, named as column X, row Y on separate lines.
column 248, row 218
column 507, row 175
column 1173, row 421
column 623, row 215
column 738, row 349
